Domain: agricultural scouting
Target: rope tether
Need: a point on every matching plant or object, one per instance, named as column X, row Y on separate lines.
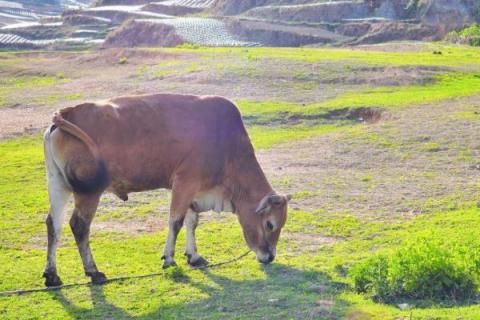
column 70, row 285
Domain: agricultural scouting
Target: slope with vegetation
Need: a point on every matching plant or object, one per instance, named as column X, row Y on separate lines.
column 243, row 23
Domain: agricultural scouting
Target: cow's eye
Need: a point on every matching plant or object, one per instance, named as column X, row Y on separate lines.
column 269, row 226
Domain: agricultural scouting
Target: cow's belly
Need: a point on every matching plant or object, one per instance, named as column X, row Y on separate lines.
column 212, row 200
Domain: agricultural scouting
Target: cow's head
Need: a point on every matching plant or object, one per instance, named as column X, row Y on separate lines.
column 262, row 225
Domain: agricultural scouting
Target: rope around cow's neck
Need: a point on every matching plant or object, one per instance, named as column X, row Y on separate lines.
column 115, row 279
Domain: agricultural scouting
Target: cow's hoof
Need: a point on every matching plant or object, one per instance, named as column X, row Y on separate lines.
column 168, row 262
column 52, row 280
column 97, row 277
column 196, row 261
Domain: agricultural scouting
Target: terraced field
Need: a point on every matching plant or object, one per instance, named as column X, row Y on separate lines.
column 189, row 3
column 14, row 39
column 379, row 146
column 203, row 31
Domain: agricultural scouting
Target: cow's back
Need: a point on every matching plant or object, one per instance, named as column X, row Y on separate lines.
column 145, row 140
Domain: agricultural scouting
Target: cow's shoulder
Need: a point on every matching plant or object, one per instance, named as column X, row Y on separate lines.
column 221, row 107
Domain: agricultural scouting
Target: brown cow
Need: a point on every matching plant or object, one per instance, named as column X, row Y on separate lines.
column 196, row 146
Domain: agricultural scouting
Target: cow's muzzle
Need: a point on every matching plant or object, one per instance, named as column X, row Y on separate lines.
column 265, row 257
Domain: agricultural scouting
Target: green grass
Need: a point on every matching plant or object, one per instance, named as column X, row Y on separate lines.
column 446, row 86
column 265, row 137
column 243, row 290
column 316, row 254
column 11, row 86
column 452, row 56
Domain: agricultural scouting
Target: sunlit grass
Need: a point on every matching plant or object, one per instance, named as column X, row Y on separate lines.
column 450, row 55
column 446, row 86
column 13, row 85
column 315, row 255
column 265, row 137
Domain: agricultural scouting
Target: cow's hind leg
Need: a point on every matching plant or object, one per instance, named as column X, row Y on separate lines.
column 59, row 196
column 85, row 208
column 191, row 223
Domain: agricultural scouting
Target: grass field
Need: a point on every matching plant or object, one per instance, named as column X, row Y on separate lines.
column 362, row 187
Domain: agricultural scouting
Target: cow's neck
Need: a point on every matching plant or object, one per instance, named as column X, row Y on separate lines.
column 248, row 184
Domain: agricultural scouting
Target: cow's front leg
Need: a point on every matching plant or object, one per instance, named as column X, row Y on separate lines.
column 191, row 223
column 174, row 226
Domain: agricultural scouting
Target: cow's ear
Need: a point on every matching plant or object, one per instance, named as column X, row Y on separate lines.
column 264, row 206
column 276, row 200
column 289, row 197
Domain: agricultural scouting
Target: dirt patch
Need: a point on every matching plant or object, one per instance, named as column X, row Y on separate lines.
column 173, row 10
column 23, row 120
column 369, row 115
column 446, row 15
column 111, row 56
column 335, row 11
column 101, row 3
column 308, row 242
column 80, row 19
column 354, row 29
column 135, row 33
column 149, row 225
column 281, row 35
column 364, row 114
column 395, row 30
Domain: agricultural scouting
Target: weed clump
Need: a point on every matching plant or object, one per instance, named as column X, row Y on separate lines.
column 469, row 35
column 425, row 269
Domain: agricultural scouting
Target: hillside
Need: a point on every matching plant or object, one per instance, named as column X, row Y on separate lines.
column 229, row 22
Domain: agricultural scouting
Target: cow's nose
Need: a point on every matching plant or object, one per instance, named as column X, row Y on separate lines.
column 267, row 258
column 271, row 257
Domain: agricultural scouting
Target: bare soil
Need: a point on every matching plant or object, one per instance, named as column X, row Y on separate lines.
column 143, row 34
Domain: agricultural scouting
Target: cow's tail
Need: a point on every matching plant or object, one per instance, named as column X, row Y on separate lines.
column 99, row 179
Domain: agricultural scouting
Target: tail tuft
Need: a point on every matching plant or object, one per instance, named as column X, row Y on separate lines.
column 97, row 182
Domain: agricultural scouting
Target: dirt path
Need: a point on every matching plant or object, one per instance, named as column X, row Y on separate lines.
column 17, row 121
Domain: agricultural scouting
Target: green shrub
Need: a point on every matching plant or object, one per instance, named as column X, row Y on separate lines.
column 122, row 60
column 469, row 35
column 424, row 268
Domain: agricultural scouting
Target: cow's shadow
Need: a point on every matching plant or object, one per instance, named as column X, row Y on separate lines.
column 284, row 292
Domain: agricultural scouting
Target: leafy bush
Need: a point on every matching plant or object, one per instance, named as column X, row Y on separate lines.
column 122, row 60
column 424, row 268
column 469, row 35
